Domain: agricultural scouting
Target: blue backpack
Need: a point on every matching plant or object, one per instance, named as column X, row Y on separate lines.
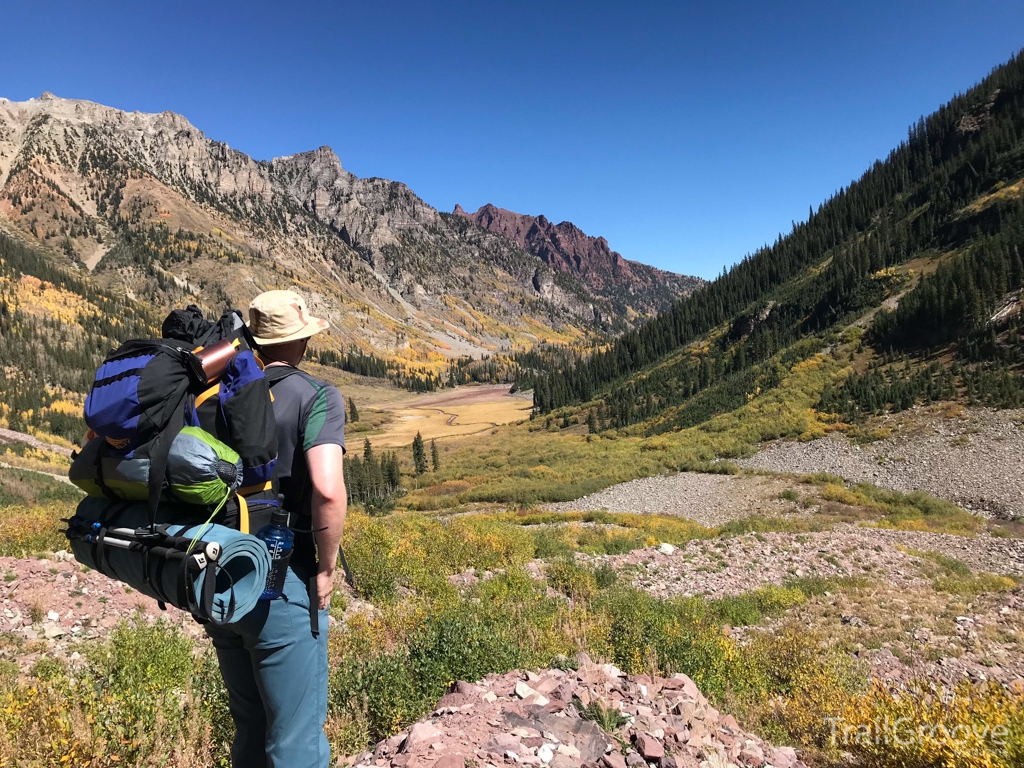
column 165, row 434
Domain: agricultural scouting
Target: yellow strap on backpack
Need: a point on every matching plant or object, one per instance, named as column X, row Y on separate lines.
column 243, row 514
column 207, row 394
column 249, row 490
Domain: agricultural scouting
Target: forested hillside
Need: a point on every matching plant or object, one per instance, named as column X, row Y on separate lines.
column 924, row 251
column 55, row 328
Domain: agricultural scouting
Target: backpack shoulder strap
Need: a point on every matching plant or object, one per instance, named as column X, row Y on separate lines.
column 276, row 373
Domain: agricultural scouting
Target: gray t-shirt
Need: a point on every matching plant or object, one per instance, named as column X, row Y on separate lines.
column 309, row 412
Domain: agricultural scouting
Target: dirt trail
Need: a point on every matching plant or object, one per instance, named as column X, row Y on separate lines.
column 61, row 478
column 11, row 436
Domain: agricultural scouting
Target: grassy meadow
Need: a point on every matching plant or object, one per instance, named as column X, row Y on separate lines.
column 539, row 460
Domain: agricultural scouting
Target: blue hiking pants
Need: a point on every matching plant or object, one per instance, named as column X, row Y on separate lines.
column 275, row 672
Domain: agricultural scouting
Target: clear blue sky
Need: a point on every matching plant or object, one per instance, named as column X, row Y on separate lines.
column 686, row 133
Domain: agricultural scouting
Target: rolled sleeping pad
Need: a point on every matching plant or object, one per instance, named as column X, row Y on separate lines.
column 241, row 568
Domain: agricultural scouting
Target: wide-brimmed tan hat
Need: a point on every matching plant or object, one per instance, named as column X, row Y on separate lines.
column 277, row 317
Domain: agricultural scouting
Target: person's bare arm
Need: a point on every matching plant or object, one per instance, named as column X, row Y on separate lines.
column 330, row 503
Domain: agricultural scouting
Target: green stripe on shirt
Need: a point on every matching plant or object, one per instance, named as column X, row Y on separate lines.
column 316, row 419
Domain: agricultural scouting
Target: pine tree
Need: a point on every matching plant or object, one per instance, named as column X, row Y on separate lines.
column 353, row 412
column 435, row 458
column 419, row 454
column 592, row 422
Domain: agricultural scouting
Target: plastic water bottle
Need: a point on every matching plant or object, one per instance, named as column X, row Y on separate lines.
column 281, row 542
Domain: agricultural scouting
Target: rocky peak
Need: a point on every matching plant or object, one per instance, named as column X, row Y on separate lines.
column 566, row 247
column 76, row 173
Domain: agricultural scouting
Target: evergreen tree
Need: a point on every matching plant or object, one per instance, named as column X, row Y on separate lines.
column 353, row 412
column 592, row 421
column 419, row 454
column 435, row 459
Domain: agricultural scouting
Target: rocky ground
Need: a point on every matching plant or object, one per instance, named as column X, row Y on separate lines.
column 56, row 603
column 60, row 601
column 893, row 605
column 732, row 566
column 539, row 719
column 972, row 457
column 710, row 500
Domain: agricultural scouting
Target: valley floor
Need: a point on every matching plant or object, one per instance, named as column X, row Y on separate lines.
column 458, row 412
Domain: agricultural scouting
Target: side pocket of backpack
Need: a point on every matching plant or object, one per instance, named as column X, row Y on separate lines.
column 249, row 417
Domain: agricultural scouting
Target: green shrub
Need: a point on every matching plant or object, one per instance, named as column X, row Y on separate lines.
column 647, row 635
column 605, row 576
column 370, row 551
column 752, row 607
column 8, row 672
column 609, row 718
column 572, row 579
column 37, row 528
column 47, row 668
column 143, row 656
column 974, row 584
column 133, row 702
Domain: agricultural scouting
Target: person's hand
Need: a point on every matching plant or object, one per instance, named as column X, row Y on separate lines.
column 324, row 588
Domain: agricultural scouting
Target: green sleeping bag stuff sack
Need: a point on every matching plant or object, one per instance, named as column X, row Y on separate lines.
column 200, row 470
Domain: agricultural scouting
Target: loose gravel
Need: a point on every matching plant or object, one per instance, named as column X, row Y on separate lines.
column 731, row 566
column 976, row 461
column 710, row 500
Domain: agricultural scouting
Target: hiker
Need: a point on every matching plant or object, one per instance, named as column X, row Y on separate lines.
column 274, row 660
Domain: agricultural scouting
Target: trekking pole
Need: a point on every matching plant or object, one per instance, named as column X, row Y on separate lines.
column 171, row 543
column 210, row 553
column 344, row 567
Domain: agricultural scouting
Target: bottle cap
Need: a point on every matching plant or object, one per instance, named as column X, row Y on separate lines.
column 280, row 517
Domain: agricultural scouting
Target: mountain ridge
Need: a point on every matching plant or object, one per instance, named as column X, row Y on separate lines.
column 151, row 206
column 566, row 247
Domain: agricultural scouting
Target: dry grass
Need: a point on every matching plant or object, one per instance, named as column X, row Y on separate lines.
column 434, row 417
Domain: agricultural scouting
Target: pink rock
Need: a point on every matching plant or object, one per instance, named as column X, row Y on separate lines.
column 752, row 755
column 468, row 689
column 450, row 761
column 784, row 757
column 421, row 734
column 649, row 747
column 546, row 685
column 685, row 709
column 564, row 692
column 688, row 686
column 613, row 760
column 500, row 743
column 452, row 701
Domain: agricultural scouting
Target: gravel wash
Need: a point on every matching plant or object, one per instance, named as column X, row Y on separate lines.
column 707, row 499
column 976, row 460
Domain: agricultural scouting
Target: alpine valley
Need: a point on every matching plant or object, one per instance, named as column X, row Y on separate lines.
column 770, row 520
column 154, row 210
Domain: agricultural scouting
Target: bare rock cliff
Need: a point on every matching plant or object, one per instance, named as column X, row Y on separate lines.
column 566, row 247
